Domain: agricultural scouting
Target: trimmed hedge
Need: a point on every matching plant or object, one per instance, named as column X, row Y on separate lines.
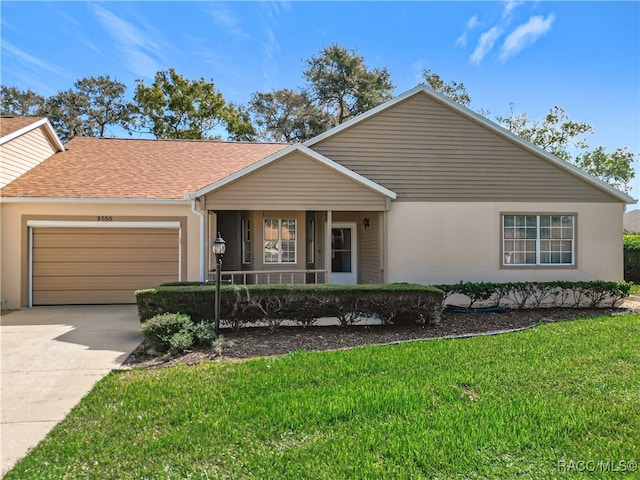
column 540, row 294
column 305, row 304
column 631, row 245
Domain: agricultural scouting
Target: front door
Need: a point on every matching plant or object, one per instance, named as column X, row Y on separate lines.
column 344, row 268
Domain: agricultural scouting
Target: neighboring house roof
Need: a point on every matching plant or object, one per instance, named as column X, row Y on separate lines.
column 487, row 124
column 107, row 168
column 305, row 151
column 631, row 221
column 13, row 127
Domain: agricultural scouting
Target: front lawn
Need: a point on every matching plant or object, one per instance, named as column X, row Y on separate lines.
column 549, row 402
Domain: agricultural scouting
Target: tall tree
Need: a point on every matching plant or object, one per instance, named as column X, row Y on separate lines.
column 614, row 168
column 21, row 103
column 454, row 90
column 566, row 139
column 341, row 83
column 176, row 107
column 287, row 116
column 92, row 108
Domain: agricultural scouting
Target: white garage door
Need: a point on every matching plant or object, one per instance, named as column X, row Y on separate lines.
column 76, row 266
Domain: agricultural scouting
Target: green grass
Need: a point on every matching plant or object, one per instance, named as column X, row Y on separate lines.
column 509, row 406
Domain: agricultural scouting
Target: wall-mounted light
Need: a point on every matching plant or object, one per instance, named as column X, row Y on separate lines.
column 366, row 222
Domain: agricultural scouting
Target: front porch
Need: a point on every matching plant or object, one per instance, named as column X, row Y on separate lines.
column 298, row 247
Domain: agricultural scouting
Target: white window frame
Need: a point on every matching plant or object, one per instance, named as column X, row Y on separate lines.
column 538, row 240
column 279, row 242
column 246, row 241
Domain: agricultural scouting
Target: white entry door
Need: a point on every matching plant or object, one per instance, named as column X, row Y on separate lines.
column 344, row 255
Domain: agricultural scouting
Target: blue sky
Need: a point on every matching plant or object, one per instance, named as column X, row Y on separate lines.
column 582, row 56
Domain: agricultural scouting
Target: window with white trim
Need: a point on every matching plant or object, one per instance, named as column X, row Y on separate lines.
column 246, row 241
column 538, row 240
column 279, row 240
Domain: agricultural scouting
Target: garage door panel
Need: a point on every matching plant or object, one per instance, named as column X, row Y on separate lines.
column 108, row 239
column 146, row 254
column 81, row 297
column 60, row 269
column 116, row 282
column 101, row 265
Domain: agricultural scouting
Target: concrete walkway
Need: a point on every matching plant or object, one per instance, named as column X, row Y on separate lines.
column 51, row 358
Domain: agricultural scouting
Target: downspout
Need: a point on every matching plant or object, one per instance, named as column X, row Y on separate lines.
column 202, row 236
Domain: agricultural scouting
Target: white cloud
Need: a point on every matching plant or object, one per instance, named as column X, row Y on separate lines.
column 485, row 44
column 271, row 48
column 228, row 22
column 30, row 61
column 137, row 47
column 524, row 35
column 510, row 6
column 471, row 24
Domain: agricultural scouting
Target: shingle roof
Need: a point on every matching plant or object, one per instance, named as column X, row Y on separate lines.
column 136, row 169
column 8, row 125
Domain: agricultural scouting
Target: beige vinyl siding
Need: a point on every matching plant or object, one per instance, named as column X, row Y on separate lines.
column 101, row 265
column 295, row 182
column 22, row 154
column 369, row 267
column 424, row 151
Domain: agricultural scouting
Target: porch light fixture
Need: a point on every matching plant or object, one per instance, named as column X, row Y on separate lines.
column 219, row 247
column 366, row 222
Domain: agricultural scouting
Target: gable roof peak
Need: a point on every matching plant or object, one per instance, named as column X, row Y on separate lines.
column 493, row 127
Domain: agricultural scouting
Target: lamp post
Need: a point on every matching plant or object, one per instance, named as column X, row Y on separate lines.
column 219, row 247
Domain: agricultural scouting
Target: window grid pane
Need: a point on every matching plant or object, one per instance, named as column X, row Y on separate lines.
column 538, row 240
column 279, row 240
column 520, row 233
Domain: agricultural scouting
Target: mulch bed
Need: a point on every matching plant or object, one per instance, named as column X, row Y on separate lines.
column 261, row 342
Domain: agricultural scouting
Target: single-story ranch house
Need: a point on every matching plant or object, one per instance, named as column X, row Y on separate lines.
column 419, row 189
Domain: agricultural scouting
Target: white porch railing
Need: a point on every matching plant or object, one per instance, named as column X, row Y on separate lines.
column 267, row 277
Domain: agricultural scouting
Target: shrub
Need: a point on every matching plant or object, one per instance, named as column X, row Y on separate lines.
column 175, row 331
column 160, row 329
column 181, row 341
column 537, row 294
column 203, row 333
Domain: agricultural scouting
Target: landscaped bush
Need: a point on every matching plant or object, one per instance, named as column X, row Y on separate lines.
column 175, row 331
column 540, row 294
column 305, row 304
column 631, row 244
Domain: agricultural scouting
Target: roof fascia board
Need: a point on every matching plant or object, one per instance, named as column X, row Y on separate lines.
column 347, row 173
column 49, row 131
column 287, row 151
column 470, row 114
column 105, row 201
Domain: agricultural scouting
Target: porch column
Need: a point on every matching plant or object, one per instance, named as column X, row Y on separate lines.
column 327, row 247
column 382, row 218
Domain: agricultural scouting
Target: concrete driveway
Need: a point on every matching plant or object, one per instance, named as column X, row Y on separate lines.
column 51, row 358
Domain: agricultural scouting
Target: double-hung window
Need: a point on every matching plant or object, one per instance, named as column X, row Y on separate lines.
column 246, row 241
column 546, row 240
column 279, row 240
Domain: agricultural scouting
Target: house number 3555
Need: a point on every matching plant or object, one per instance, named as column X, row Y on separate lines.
column 104, row 219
